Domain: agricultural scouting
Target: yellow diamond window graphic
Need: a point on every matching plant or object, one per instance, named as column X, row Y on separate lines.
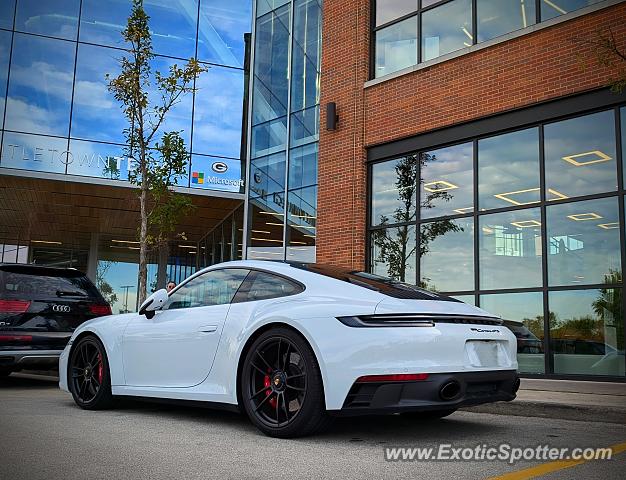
column 609, row 226
column 439, row 186
column 582, row 217
column 507, row 196
column 526, row 223
column 587, row 158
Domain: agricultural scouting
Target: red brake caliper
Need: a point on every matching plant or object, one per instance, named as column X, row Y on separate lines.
column 100, row 368
column 266, row 383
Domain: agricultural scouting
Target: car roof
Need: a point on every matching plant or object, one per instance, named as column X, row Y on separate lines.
column 34, row 269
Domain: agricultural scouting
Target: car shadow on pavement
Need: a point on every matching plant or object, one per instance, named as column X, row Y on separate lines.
column 29, row 381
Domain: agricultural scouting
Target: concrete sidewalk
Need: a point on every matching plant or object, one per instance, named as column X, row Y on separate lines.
column 565, row 399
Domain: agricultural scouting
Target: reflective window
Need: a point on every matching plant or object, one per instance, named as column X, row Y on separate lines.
column 263, row 286
column 212, row 288
column 388, row 10
column 221, row 29
column 55, row 18
column 96, row 114
column 623, row 126
column 306, row 55
column 508, row 170
column 264, row 6
column 446, row 28
column 394, row 191
column 94, row 159
column 214, row 173
column 584, row 242
column 447, row 181
column 218, row 112
column 587, row 331
column 510, row 249
column 7, row 12
column 173, row 25
column 101, row 22
column 469, row 299
column 301, row 222
column 447, row 255
column 42, row 106
column 305, row 126
column 523, row 315
column 554, row 8
column 580, row 156
column 497, row 17
column 267, row 177
column 269, row 137
column 5, row 50
column 396, row 47
column 303, row 166
column 34, row 152
column 393, row 253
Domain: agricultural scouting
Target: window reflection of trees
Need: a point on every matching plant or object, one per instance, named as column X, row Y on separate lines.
column 395, row 251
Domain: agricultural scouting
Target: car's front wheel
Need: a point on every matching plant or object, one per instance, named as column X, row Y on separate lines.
column 88, row 374
column 281, row 385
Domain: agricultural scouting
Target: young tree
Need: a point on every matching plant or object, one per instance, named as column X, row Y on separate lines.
column 157, row 165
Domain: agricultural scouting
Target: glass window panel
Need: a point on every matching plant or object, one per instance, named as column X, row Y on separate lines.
column 587, row 332
column 623, row 126
column 42, row 106
column 428, row 3
column 102, row 160
column 265, row 240
column 583, row 242
column 173, row 26
column 218, row 112
column 213, row 173
column 305, row 126
column 554, row 8
column 303, row 166
column 264, row 285
column 580, row 156
column 267, row 178
column 10, row 254
column 510, row 249
column 212, row 288
column 96, row 114
column 396, row 47
column 306, row 58
column 508, row 170
column 227, row 233
column 34, row 152
column 264, row 6
column 393, row 253
column 469, row 299
column 446, row 250
column 269, row 137
column 22, row 255
column 101, row 22
column 238, row 219
column 271, row 75
column 5, row 50
column 447, row 183
column 220, row 33
column 498, row 17
column 55, row 18
column 394, row 191
column 523, row 314
column 301, row 220
column 7, row 11
column 388, row 10
column 446, row 28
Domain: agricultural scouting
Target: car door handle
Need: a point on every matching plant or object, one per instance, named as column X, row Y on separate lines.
column 207, row 329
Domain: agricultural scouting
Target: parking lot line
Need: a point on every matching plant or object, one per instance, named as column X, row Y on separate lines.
column 550, row 467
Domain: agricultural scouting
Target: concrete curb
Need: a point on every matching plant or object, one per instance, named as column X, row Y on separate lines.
column 581, row 413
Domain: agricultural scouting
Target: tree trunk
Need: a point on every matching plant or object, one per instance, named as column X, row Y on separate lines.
column 164, row 253
column 143, row 238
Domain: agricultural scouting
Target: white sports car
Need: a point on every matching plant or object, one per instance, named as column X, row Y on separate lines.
column 293, row 345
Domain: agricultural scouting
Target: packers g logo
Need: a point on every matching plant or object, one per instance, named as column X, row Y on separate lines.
column 219, row 167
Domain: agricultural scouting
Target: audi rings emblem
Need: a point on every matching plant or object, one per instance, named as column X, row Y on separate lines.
column 60, row 308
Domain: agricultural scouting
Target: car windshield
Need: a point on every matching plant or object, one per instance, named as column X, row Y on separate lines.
column 26, row 283
column 385, row 285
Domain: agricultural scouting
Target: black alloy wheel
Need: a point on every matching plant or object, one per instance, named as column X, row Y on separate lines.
column 281, row 386
column 88, row 374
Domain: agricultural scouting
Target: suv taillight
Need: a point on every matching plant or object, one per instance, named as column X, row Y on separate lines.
column 14, row 306
column 100, row 310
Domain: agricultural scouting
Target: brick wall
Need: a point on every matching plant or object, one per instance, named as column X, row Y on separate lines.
column 543, row 65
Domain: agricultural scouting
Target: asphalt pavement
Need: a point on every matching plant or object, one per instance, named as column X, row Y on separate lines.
column 43, row 435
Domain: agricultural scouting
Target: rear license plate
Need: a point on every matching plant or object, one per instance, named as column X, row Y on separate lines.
column 486, row 353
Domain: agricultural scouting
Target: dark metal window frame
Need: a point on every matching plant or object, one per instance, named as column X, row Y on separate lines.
column 499, row 124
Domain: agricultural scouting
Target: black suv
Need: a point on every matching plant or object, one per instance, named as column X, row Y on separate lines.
column 39, row 309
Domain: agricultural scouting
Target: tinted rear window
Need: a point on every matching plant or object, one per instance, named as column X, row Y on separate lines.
column 29, row 283
column 263, row 285
column 385, row 285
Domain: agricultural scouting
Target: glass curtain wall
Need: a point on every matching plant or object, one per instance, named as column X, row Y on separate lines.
column 282, row 195
column 57, row 115
column 528, row 224
column 408, row 32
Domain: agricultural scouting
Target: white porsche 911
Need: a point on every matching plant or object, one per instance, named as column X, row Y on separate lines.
column 293, row 345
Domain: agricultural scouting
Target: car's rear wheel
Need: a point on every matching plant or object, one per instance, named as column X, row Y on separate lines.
column 88, row 374
column 281, row 385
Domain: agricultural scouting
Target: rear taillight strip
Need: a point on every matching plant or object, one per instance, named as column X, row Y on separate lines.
column 14, row 306
column 413, row 320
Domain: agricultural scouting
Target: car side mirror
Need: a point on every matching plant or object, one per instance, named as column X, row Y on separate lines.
column 154, row 302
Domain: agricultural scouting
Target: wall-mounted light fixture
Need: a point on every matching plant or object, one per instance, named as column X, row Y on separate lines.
column 331, row 116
